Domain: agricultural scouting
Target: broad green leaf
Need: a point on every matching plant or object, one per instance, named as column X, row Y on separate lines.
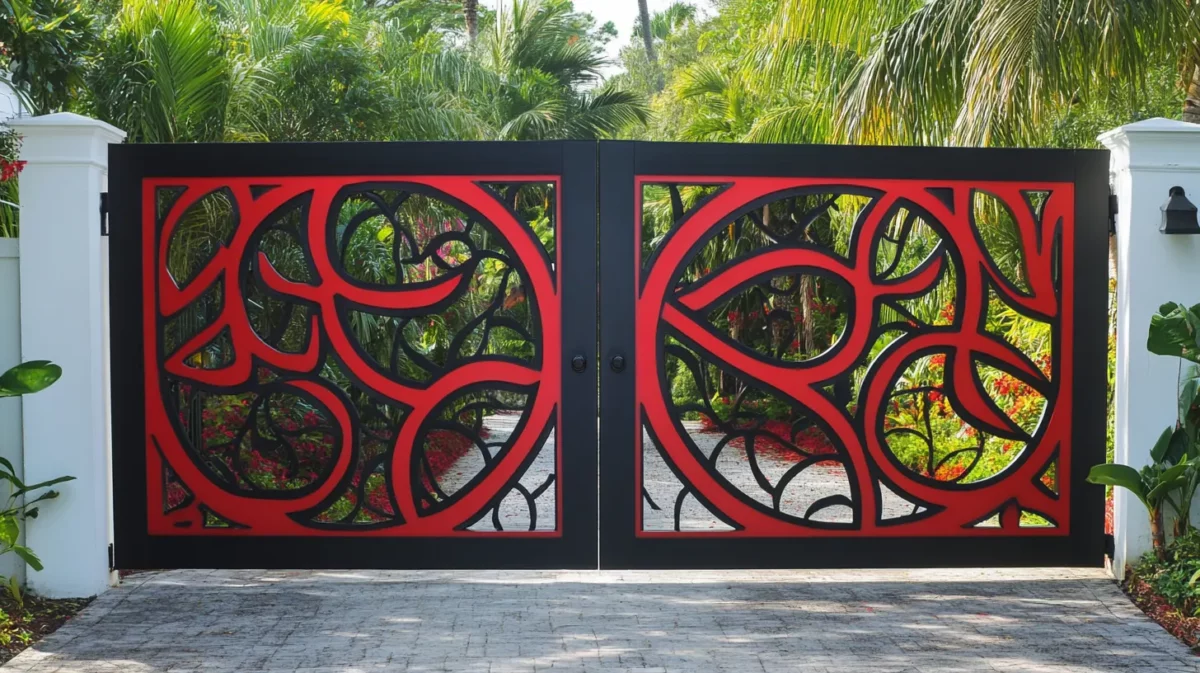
column 10, row 531
column 1189, row 387
column 1165, row 485
column 29, row 557
column 1159, row 452
column 1173, row 331
column 1193, row 319
column 1119, row 475
column 1174, row 472
column 28, row 378
column 1177, row 448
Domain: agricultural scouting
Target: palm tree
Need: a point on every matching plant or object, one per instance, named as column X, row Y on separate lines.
column 663, row 24
column 1191, row 105
column 972, row 72
column 161, row 73
column 471, row 16
column 720, row 109
column 648, row 39
column 534, row 65
column 207, row 70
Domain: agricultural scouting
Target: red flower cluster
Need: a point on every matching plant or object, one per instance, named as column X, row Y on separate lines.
column 947, row 313
column 776, row 444
column 949, row 472
column 176, row 494
column 1008, row 385
column 223, row 418
column 443, row 448
column 10, row 169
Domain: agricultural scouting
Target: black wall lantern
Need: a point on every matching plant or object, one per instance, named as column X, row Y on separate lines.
column 1179, row 214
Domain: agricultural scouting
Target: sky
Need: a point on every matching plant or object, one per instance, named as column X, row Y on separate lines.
column 623, row 14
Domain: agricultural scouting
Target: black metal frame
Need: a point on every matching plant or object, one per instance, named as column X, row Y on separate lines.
column 598, row 303
column 620, row 162
column 574, row 161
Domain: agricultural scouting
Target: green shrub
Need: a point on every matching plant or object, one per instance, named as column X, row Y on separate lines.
column 1172, row 577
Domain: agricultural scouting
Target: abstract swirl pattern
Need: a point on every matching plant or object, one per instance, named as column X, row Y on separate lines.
column 322, row 352
column 841, row 403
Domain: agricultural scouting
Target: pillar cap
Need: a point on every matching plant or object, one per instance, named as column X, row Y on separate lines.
column 1154, row 144
column 64, row 120
column 66, row 139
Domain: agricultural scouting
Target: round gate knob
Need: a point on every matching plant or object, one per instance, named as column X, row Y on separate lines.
column 618, row 363
column 579, row 363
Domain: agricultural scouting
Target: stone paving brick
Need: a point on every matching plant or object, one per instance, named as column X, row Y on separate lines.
column 936, row 621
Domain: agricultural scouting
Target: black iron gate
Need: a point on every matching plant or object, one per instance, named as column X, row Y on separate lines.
column 386, row 355
column 354, row 355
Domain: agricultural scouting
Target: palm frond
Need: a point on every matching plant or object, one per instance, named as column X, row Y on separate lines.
column 605, row 112
column 185, row 80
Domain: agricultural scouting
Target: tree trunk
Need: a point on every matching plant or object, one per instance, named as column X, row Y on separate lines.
column 648, row 40
column 1191, row 106
column 471, row 14
column 1158, row 536
column 808, row 342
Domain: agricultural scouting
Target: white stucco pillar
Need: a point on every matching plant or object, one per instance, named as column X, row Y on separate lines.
column 66, row 427
column 1148, row 158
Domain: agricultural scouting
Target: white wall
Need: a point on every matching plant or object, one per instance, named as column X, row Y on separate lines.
column 10, row 354
column 10, row 105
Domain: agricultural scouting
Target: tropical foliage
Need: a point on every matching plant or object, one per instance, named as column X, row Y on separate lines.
column 1168, row 484
column 956, row 72
column 291, row 70
column 22, row 499
column 962, row 72
column 10, row 168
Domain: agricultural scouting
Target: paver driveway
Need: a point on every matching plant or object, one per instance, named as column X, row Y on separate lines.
column 870, row 621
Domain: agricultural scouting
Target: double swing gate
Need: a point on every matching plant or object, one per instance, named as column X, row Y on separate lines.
column 616, row 354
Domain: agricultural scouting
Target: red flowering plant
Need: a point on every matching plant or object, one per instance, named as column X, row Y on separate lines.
column 244, row 435
column 10, row 149
column 925, row 432
column 778, row 430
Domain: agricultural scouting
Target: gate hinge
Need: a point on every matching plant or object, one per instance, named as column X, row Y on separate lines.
column 112, row 558
column 104, row 213
column 1110, row 545
column 1112, row 214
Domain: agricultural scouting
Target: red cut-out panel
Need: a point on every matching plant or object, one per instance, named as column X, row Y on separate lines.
column 374, row 356
column 848, row 357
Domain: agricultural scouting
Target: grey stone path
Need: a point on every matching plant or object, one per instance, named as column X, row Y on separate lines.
column 816, row 482
column 661, row 485
column 1073, row 621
